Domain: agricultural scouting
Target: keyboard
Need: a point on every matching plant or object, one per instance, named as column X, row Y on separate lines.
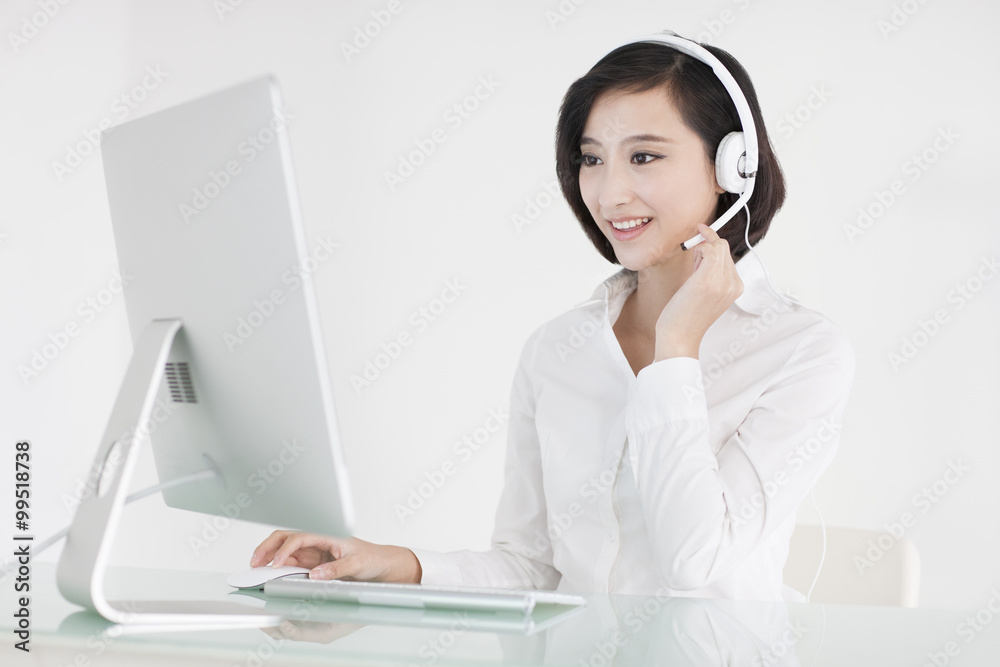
column 417, row 595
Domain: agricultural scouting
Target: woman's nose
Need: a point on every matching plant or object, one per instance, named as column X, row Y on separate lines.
column 615, row 185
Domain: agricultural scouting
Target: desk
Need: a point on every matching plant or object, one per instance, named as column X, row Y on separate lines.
column 610, row 630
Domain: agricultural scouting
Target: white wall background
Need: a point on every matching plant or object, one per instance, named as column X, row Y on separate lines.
column 886, row 98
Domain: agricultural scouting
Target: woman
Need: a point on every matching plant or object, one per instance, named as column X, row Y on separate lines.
column 663, row 433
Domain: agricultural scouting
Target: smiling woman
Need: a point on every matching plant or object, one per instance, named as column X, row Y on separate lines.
column 668, row 453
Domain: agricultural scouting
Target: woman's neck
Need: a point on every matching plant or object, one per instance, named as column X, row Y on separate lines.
column 657, row 284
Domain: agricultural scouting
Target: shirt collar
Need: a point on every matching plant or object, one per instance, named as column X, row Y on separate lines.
column 756, row 298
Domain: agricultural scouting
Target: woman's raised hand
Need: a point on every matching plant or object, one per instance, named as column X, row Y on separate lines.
column 712, row 287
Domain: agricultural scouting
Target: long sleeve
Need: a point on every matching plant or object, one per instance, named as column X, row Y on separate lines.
column 521, row 553
column 706, row 511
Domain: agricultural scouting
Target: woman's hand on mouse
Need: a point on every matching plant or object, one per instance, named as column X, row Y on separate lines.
column 347, row 558
column 712, row 287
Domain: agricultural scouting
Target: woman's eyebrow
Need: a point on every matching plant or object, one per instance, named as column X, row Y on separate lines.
column 634, row 139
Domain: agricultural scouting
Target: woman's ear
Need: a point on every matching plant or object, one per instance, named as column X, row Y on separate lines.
column 715, row 179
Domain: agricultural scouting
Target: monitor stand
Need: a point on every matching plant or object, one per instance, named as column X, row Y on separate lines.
column 80, row 574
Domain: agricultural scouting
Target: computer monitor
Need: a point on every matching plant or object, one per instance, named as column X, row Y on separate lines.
column 228, row 378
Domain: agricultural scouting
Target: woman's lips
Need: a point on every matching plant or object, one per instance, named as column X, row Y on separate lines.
column 627, row 234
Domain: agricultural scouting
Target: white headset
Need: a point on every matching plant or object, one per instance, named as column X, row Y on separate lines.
column 735, row 170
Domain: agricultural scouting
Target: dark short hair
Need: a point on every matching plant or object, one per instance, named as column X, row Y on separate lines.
column 704, row 106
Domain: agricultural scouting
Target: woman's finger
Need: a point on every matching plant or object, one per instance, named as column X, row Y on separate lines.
column 286, row 549
column 707, row 253
column 342, row 568
column 298, row 541
column 265, row 550
column 708, row 233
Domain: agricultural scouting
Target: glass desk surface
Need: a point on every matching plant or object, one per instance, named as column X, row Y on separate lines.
column 609, row 630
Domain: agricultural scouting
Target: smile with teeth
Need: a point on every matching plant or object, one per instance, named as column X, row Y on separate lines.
column 629, row 224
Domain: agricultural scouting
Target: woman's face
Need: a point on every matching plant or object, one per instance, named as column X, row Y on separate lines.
column 641, row 161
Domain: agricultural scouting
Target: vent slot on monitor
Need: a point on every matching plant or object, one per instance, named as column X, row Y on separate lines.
column 179, row 382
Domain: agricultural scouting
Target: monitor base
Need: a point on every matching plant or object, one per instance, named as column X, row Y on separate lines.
column 84, row 559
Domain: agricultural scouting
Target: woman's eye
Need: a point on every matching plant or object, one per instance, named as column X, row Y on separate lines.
column 588, row 160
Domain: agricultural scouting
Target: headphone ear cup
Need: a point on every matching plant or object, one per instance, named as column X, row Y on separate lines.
column 727, row 162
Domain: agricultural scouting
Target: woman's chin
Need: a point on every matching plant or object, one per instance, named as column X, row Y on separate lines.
column 635, row 259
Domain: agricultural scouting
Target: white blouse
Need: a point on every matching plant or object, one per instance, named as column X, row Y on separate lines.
column 682, row 480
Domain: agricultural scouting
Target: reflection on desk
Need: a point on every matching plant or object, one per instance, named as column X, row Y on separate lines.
column 610, row 630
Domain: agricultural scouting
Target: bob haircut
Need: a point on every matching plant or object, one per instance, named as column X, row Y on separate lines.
column 704, row 106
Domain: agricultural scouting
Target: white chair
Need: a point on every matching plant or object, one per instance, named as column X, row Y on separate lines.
column 862, row 567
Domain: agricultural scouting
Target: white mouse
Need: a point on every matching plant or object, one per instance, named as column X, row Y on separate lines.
column 256, row 577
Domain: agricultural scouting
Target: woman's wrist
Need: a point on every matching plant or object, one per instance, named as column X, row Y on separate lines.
column 668, row 347
column 408, row 567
